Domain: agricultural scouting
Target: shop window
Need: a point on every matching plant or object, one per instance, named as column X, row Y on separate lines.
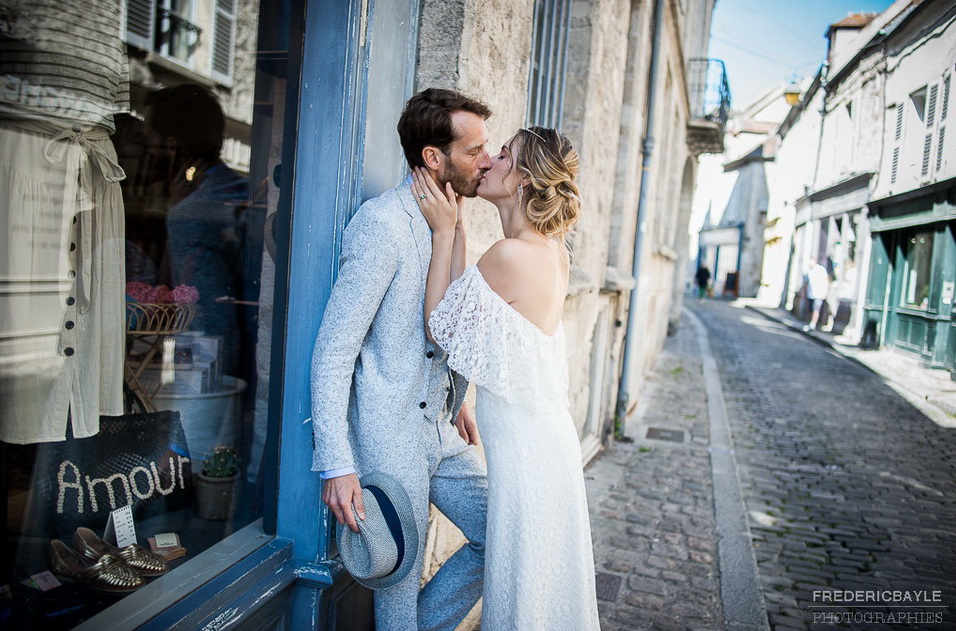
column 136, row 298
column 549, row 60
column 916, row 272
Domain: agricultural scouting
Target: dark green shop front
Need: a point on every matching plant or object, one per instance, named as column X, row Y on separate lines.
column 909, row 301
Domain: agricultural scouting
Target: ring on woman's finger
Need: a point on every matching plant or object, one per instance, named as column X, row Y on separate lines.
column 422, row 196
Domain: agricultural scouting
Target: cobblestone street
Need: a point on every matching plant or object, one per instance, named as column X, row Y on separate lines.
column 845, row 487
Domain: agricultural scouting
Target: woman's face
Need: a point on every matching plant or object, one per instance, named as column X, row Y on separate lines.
column 501, row 181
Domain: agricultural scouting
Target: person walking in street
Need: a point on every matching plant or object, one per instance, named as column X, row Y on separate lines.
column 500, row 322
column 818, row 286
column 702, row 280
column 383, row 397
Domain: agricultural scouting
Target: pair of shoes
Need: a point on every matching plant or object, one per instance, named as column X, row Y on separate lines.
column 108, row 573
column 144, row 562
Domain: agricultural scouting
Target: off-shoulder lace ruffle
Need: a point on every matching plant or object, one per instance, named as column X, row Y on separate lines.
column 497, row 348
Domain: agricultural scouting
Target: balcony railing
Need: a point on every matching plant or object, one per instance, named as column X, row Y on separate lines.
column 709, row 95
column 176, row 36
column 708, row 89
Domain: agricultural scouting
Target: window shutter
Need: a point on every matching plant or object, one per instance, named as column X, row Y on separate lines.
column 927, row 146
column 894, row 169
column 899, row 121
column 946, row 81
column 931, row 106
column 939, row 148
column 141, row 23
column 223, row 39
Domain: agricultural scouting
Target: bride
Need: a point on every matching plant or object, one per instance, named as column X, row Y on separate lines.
column 500, row 322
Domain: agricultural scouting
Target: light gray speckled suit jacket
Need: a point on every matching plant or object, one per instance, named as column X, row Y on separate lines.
column 375, row 377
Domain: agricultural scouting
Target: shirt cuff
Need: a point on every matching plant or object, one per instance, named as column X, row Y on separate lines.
column 336, row 473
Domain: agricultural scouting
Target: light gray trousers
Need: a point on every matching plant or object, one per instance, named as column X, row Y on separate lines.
column 450, row 475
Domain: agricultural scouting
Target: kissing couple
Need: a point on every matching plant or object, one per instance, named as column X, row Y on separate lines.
column 408, row 325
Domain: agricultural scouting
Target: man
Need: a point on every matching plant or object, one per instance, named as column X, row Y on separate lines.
column 818, row 286
column 702, row 279
column 383, row 397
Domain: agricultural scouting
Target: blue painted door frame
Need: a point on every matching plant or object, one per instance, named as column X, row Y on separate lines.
column 356, row 53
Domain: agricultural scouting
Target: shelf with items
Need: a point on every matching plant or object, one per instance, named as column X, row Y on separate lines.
column 152, row 324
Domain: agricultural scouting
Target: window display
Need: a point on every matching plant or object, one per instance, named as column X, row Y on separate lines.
column 916, row 277
column 138, row 186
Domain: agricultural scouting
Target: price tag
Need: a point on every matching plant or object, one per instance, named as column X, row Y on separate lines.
column 120, row 525
column 45, row 581
column 167, row 540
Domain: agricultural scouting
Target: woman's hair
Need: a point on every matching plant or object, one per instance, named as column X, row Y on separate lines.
column 551, row 201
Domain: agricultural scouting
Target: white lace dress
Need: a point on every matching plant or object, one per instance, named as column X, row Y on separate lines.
column 539, row 567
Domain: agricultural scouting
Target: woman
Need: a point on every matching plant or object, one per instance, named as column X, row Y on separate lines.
column 500, row 322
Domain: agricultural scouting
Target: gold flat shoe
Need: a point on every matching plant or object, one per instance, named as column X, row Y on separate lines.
column 145, row 562
column 108, row 573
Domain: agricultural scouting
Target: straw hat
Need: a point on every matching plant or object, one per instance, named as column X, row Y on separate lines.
column 384, row 550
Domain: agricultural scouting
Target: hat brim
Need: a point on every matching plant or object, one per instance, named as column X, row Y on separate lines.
column 397, row 507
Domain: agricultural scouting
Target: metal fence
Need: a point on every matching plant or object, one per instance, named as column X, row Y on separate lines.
column 708, row 89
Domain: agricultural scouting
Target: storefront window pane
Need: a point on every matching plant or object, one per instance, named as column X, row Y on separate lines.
column 136, row 284
column 919, row 259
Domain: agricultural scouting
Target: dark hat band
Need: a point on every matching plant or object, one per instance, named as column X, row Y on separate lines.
column 391, row 520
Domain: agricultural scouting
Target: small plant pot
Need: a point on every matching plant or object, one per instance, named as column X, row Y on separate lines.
column 216, row 498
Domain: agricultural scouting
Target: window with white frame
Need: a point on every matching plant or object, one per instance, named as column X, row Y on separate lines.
column 178, row 35
column 930, row 108
column 178, row 29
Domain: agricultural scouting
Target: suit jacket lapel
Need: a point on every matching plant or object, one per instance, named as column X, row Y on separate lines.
column 420, row 229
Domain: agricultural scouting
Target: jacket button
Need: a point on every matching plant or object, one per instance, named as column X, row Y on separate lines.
column 68, row 351
column 430, row 354
column 70, row 301
column 422, row 405
column 69, row 324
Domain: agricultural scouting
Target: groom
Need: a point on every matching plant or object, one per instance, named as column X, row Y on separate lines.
column 383, row 397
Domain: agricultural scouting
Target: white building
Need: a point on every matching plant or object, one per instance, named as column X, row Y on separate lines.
column 732, row 191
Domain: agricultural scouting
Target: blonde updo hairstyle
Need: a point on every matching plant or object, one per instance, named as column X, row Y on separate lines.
column 551, row 201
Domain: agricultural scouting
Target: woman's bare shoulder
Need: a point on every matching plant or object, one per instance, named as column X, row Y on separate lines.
column 512, row 266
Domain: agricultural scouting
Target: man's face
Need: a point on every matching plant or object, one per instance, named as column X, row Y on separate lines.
column 467, row 159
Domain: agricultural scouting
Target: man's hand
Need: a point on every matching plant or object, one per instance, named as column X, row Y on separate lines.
column 467, row 427
column 339, row 494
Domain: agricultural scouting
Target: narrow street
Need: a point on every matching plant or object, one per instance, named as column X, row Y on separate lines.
column 849, row 491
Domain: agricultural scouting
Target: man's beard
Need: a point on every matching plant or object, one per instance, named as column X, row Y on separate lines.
column 460, row 182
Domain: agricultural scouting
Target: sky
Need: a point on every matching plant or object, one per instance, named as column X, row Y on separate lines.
column 765, row 42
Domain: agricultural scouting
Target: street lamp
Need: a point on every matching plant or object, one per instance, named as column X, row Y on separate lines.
column 792, row 92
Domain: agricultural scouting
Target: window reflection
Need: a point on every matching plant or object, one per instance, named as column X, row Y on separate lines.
column 136, row 281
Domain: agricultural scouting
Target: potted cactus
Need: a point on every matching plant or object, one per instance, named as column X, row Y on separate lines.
column 216, row 485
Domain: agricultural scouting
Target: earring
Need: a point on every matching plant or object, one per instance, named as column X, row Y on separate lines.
column 520, row 192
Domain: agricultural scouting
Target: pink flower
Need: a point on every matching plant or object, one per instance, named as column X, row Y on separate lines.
column 184, row 294
column 159, row 294
column 138, row 291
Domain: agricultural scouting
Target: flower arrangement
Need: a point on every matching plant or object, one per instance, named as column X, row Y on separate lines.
column 141, row 292
column 159, row 309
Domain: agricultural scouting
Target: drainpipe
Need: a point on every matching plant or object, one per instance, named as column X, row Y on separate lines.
column 740, row 256
column 623, row 391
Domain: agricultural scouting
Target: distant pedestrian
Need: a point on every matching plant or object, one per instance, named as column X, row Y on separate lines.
column 702, row 279
column 818, row 286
